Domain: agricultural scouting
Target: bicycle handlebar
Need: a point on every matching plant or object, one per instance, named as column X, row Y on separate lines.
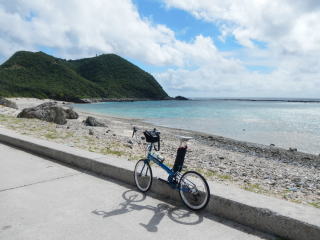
column 135, row 129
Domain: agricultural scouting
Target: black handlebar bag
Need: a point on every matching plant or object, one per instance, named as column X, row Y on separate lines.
column 152, row 137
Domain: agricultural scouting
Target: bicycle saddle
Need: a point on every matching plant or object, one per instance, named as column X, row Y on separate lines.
column 184, row 138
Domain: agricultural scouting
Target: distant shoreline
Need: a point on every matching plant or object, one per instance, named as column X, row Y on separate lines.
column 259, row 100
column 101, row 100
column 96, row 100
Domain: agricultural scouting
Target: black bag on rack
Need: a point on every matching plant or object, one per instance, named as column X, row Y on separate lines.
column 178, row 163
column 152, row 136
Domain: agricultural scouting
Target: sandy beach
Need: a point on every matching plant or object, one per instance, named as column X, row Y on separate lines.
column 285, row 174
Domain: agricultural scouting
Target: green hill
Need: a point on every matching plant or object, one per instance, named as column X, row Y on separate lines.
column 28, row 74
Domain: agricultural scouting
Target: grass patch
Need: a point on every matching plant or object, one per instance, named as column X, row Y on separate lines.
column 90, row 140
column 107, row 151
column 314, row 204
column 295, row 201
column 52, row 135
column 15, row 120
column 225, row 177
column 211, row 173
column 13, row 127
column 91, row 149
column 253, row 188
column 10, row 119
column 67, row 135
column 2, row 116
column 169, row 164
column 2, row 119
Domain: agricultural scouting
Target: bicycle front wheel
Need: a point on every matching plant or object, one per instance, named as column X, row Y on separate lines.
column 143, row 175
column 194, row 190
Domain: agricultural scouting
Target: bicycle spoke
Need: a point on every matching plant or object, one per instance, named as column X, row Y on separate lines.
column 194, row 190
column 143, row 175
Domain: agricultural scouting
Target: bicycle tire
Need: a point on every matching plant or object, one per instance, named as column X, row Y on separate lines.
column 143, row 180
column 195, row 197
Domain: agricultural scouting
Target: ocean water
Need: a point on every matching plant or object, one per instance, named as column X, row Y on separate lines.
column 285, row 124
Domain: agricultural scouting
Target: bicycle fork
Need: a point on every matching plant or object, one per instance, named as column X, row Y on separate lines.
column 143, row 169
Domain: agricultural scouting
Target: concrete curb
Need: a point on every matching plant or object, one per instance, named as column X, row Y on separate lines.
column 282, row 218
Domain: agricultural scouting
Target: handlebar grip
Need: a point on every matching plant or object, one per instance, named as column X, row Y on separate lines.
column 134, row 131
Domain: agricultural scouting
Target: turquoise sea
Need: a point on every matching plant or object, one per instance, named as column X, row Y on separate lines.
column 285, row 124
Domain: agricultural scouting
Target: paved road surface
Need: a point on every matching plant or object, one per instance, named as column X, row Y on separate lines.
column 42, row 199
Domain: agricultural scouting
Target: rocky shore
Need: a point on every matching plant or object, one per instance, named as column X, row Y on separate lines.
column 286, row 174
column 95, row 100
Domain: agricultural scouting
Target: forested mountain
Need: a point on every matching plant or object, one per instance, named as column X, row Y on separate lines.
column 28, row 74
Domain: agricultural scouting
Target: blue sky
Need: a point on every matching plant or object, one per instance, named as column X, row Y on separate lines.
column 203, row 48
column 186, row 28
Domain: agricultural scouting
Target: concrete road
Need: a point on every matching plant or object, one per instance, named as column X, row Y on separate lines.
column 42, row 199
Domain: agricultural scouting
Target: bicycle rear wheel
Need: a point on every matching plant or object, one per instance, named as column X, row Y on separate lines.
column 143, row 175
column 194, row 190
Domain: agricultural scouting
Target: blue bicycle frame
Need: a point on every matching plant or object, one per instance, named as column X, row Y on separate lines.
column 173, row 176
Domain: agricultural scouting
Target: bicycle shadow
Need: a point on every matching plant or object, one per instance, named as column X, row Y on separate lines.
column 131, row 197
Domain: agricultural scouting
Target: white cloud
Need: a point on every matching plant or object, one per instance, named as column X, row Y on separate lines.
column 291, row 25
column 291, row 31
column 80, row 28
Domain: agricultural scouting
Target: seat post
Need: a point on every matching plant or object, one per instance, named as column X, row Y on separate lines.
column 181, row 153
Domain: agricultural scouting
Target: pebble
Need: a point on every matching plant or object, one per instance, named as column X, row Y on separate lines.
column 128, row 145
column 273, row 183
column 293, row 189
column 293, row 150
column 296, row 179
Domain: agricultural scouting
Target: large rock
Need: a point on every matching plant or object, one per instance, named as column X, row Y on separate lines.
column 71, row 114
column 49, row 112
column 8, row 103
column 91, row 121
